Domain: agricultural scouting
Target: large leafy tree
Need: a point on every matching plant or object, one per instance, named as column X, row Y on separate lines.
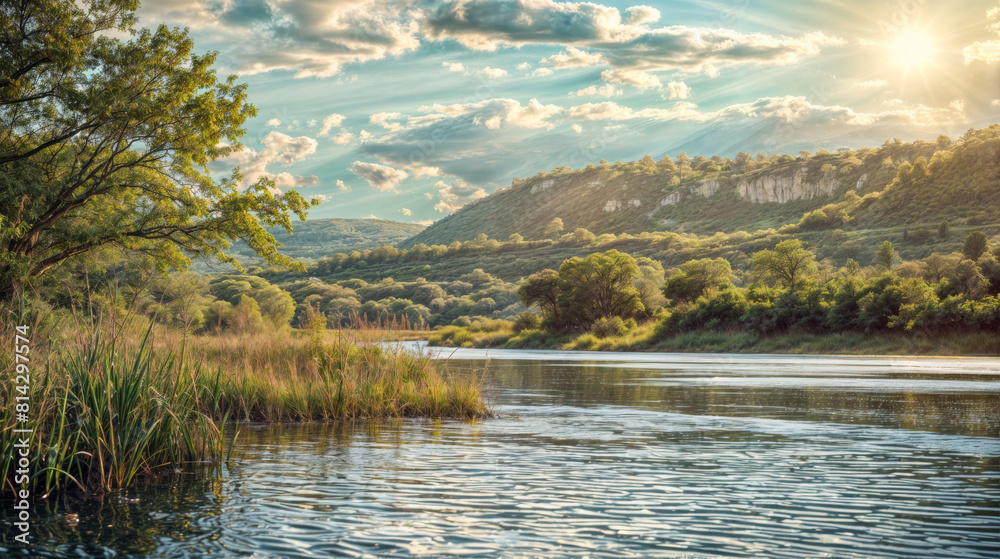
column 975, row 245
column 107, row 142
column 696, row 278
column 788, row 264
column 598, row 286
column 541, row 289
column 885, row 255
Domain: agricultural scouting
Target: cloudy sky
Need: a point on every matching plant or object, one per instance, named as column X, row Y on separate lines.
column 408, row 110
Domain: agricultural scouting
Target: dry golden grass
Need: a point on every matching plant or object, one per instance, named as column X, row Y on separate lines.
column 115, row 402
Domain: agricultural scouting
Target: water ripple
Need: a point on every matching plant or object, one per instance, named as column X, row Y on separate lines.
column 601, row 462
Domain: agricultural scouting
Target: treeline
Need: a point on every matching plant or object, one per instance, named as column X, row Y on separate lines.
column 781, row 287
column 942, row 293
column 783, row 291
column 243, row 303
column 515, row 257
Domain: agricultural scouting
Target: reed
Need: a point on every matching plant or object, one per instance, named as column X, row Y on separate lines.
column 111, row 406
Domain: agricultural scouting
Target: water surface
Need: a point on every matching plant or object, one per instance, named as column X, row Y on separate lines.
column 602, row 455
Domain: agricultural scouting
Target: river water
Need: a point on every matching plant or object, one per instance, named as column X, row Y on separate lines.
column 599, row 455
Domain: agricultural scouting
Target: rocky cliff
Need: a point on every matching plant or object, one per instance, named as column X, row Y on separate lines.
column 699, row 196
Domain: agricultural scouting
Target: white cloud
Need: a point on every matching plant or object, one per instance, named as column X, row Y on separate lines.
column 330, row 122
column 624, row 42
column 316, row 39
column 492, row 112
column 454, row 66
column 798, row 110
column 424, row 222
column 639, row 15
column 577, row 128
column 380, row 177
column 342, row 187
column 279, row 149
column 995, row 103
column 873, row 84
column 274, row 122
column 491, row 73
column 343, row 138
column 627, row 76
column 424, row 170
column 487, row 25
column 452, row 197
column 573, row 57
column 606, row 90
column 405, row 212
column 677, row 90
column 320, row 197
column 609, row 110
column 985, row 51
column 787, row 109
column 542, row 72
column 386, row 120
column 524, row 66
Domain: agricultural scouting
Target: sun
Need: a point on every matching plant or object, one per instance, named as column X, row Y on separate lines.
column 912, row 47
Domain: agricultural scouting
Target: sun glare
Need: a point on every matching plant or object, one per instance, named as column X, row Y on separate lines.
column 912, row 48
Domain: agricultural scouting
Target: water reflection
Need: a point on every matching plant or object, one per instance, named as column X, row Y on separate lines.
column 967, row 405
column 591, row 459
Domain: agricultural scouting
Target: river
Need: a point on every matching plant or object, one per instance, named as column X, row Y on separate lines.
column 599, row 455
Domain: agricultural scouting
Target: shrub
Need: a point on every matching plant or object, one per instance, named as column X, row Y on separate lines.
column 585, row 342
column 527, row 321
column 453, row 336
column 608, row 327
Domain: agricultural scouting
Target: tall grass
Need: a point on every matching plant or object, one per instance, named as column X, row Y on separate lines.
column 113, row 405
column 288, row 377
column 645, row 338
column 107, row 413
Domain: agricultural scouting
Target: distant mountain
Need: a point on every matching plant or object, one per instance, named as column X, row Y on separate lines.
column 910, row 184
column 317, row 238
column 776, row 136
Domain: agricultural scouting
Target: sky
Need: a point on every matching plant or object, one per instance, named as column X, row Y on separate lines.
column 408, row 110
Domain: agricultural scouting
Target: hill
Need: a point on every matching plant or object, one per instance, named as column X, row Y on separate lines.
column 899, row 184
column 317, row 238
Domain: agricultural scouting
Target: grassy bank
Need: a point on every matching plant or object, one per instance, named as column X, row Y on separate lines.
column 111, row 406
column 644, row 338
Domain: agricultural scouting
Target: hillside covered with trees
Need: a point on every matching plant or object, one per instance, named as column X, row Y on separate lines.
column 317, row 238
column 899, row 184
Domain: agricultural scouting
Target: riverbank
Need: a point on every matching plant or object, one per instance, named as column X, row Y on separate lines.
column 645, row 338
column 111, row 406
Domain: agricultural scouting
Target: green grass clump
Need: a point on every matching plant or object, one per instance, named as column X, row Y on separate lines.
column 106, row 413
column 481, row 333
column 113, row 406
